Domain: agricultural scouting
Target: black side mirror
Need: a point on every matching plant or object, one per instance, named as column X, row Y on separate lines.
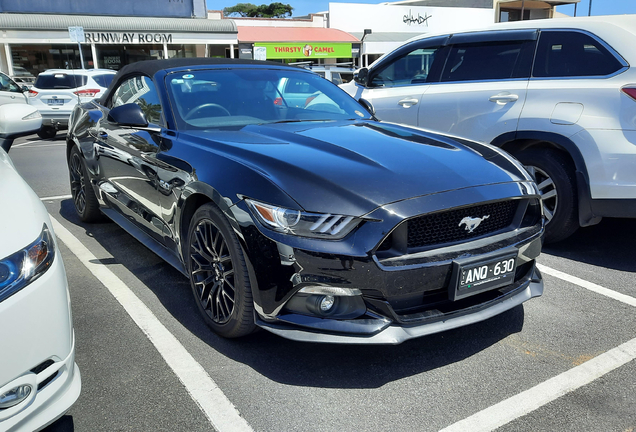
column 129, row 115
column 25, row 89
column 367, row 106
column 362, row 77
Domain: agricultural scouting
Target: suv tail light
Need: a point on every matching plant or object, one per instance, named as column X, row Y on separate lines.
column 86, row 92
column 33, row 93
column 630, row 91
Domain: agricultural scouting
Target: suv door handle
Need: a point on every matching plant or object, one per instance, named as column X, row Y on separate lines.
column 102, row 134
column 503, row 98
column 408, row 102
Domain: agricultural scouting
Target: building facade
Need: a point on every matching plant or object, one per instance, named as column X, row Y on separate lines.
column 32, row 43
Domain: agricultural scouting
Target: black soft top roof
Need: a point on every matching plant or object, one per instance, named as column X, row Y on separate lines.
column 150, row 67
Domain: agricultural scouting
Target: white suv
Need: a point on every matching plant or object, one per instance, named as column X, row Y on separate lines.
column 559, row 94
column 57, row 91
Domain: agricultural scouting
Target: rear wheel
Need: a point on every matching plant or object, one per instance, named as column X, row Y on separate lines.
column 47, row 132
column 218, row 274
column 554, row 174
column 84, row 199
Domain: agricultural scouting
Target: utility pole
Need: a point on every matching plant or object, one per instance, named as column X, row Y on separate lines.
column 589, row 12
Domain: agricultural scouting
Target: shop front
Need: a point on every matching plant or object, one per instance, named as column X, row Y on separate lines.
column 33, row 43
column 298, row 45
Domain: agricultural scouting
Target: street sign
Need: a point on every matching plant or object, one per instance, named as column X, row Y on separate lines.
column 76, row 34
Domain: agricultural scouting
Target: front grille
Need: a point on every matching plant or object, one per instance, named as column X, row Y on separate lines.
column 39, row 368
column 444, row 227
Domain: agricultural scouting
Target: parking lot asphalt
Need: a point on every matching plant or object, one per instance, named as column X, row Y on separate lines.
column 563, row 361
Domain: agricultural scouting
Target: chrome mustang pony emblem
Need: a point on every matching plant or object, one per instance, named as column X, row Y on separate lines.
column 472, row 223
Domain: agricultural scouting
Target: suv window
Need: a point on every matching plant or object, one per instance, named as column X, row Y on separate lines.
column 570, row 53
column 103, row 80
column 412, row 68
column 60, row 81
column 140, row 90
column 487, row 61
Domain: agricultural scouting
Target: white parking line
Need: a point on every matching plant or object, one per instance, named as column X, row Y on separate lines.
column 588, row 285
column 28, row 142
column 223, row 416
column 23, row 145
column 523, row 403
column 58, row 197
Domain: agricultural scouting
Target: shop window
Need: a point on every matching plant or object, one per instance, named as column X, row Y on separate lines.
column 182, row 51
column 117, row 56
column 30, row 60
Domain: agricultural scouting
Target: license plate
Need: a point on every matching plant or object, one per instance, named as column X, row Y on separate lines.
column 55, row 101
column 478, row 276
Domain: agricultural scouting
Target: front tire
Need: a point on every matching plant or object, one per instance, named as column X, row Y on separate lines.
column 218, row 274
column 84, row 199
column 555, row 177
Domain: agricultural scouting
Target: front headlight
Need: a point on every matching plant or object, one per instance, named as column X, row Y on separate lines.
column 304, row 224
column 23, row 267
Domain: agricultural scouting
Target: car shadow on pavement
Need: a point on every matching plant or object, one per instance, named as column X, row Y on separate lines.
column 63, row 424
column 609, row 244
column 298, row 363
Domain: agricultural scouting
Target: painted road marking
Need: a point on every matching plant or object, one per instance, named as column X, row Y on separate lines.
column 524, row 403
column 37, row 145
column 588, row 285
column 58, row 197
column 221, row 413
column 27, row 143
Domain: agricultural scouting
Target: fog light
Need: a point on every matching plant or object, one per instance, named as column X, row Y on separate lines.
column 327, row 302
column 14, row 396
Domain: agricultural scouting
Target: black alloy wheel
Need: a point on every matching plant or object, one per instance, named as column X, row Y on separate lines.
column 218, row 274
column 84, row 199
column 554, row 174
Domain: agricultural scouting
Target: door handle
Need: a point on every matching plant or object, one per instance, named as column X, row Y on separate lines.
column 503, row 98
column 102, row 134
column 408, row 102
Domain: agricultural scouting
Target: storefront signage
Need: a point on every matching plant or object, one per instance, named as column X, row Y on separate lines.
column 306, row 50
column 104, row 38
column 417, row 20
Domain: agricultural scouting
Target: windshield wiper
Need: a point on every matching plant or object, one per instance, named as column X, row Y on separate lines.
column 298, row 121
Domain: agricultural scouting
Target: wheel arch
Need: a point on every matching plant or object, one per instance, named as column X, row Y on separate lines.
column 515, row 142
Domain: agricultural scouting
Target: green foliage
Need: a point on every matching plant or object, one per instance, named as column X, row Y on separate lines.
column 272, row 10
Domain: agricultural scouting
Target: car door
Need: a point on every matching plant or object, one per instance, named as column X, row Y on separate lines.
column 396, row 85
column 482, row 87
column 10, row 92
column 127, row 158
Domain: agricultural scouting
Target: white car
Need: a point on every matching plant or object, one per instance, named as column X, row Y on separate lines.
column 57, row 91
column 559, row 94
column 39, row 379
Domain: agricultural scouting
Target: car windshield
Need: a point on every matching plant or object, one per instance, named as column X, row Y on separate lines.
column 212, row 99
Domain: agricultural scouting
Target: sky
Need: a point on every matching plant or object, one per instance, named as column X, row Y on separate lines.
column 305, row 7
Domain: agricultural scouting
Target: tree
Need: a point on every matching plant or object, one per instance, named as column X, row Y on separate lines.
column 272, row 10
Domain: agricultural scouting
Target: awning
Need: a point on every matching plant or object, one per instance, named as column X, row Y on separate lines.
column 384, row 42
column 10, row 21
column 293, row 34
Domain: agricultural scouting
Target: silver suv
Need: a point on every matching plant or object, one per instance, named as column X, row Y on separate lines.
column 57, row 91
column 559, row 94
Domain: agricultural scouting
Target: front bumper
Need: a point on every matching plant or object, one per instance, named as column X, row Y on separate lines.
column 38, row 349
column 396, row 334
column 405, row 295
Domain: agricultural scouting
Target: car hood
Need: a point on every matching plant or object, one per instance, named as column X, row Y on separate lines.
column 23, row 214
column 354, row 167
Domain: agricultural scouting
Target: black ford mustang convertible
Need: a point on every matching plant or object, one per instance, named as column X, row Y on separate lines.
column 291, row 208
